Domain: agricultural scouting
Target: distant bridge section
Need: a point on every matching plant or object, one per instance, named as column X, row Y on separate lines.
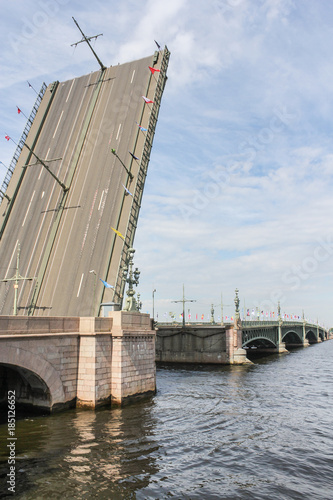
column 232, row 343
column 271, row 334
column 95, row 135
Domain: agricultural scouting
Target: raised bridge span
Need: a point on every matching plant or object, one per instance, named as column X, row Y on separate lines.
column 62, row 222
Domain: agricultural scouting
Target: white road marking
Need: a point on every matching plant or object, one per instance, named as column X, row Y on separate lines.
column 100, row 202
column 11, row 258
column 70, row 90
column 32, row 197
column 47, row 154
column 78, row 292
column 43, row 194
column 118, row 132
column 133, row 76
column 58, row 124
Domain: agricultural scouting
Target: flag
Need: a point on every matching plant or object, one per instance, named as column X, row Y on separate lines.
column 127, row 191
column 7, row 137
column 158, row 45
column 18, row 110
column 148, row 101
column 153, row 69
column 118, row 233
column 202, row 316
column 106, row 284
column 140, row 126
column 135, row 157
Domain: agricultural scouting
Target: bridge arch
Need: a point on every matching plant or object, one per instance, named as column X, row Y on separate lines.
column 36, row 372
column 292, row 337
column 262, row 342
column 311, row 336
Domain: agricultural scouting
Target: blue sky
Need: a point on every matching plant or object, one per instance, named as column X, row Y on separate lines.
column 239, row 187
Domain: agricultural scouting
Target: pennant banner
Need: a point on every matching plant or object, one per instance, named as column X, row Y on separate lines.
column 106, row 284
column 133, row 156
column 153, row 70
column 148, row 101
column 118, row 233
column 140, row 126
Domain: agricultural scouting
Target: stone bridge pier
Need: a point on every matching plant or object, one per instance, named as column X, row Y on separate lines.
column 56, row 363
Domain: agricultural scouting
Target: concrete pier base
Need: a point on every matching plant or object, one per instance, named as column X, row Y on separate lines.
column 56, row 363
column 133, row 370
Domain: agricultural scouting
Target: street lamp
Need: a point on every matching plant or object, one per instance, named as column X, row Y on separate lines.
column 154, row 304
column 94, row 272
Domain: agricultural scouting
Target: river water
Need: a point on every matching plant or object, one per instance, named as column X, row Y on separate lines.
column 263, row 431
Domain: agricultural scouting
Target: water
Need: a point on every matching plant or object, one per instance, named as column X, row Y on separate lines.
column 263, row 431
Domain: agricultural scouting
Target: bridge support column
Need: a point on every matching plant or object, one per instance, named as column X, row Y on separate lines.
column 133, row 370
column 281, row 348
column 94, row 365
column 236, row 355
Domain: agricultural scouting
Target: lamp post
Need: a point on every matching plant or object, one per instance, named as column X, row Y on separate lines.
column 94, row 272
column 183, row 300
column 16, row 278
column 154, row 304
column 132, row 278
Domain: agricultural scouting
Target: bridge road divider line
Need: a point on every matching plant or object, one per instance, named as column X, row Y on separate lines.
column 61, row 206
column 29, row 156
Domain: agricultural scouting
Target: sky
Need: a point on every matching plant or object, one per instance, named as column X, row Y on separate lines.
column 239, row 185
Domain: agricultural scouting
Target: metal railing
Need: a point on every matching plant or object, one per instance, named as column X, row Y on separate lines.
column 21, row 142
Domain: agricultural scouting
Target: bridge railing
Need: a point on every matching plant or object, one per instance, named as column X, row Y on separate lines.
column 21, row 142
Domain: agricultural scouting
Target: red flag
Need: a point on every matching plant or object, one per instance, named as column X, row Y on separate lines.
column 147, row 100
column 7, row 137
column 153, row 69
column 18, row 110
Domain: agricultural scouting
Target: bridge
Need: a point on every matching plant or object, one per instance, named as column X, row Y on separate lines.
column 54, row 363
column 232, row 342
column 71, row 198
column 69, row 207
column 277, row 334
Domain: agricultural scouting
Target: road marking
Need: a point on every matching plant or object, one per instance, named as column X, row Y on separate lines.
column 32, row 197
column 118, row 132
column 133, row 76
column 43, row 194
column 100, row 201
column 40, row 173
column 70, row 90
column 11, row 258
column 78, row 292
column 58, row 124
column 47, row 154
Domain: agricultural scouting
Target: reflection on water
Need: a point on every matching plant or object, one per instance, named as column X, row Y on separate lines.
column 255, row 432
